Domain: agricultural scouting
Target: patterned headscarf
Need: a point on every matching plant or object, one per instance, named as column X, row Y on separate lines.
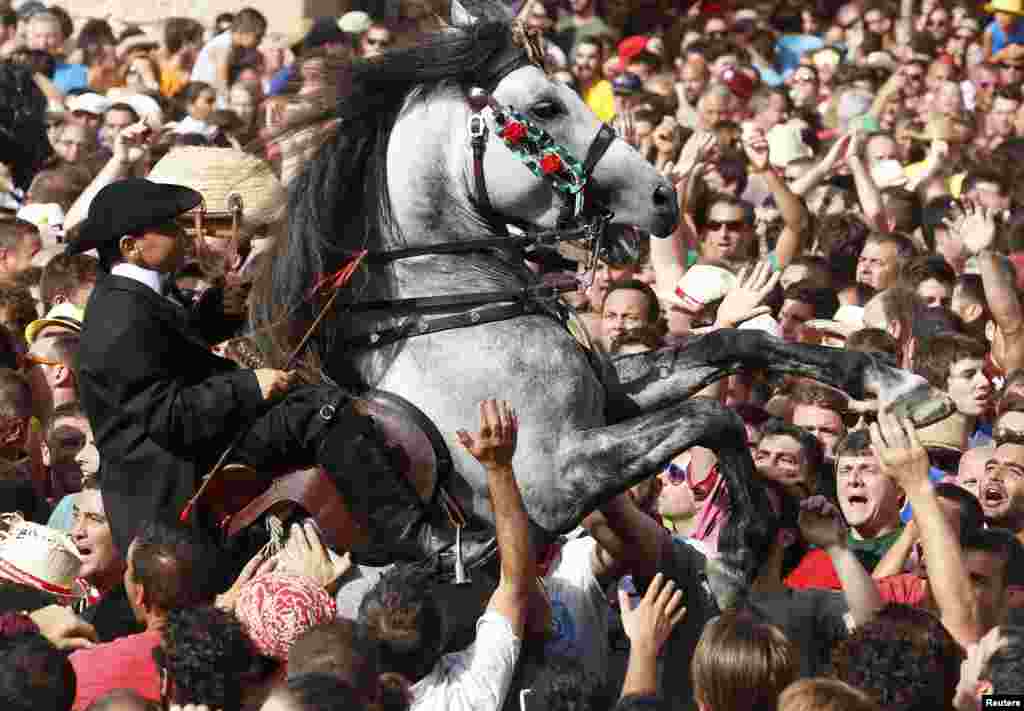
column 276, row 608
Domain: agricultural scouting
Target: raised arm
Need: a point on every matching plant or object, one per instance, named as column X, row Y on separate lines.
column 129, row 150
column 628, row 535
column 895, row 558
column 648, row 628
column 494, row 447
column 822, row 525
column 867, row 191
column 794, row 214
column 976, row 227
column 814, row 177
column 904, row 459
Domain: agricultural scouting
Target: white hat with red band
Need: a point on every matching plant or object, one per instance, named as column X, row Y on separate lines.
column 38, row 556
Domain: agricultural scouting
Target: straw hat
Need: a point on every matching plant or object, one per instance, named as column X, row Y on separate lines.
column 65, row 315
column 1012, row 7
column 220, row 174
column 41, row 557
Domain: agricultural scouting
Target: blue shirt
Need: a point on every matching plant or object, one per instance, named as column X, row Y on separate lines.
column 70, row 76
column 1000, row 39
column 790, row 48
column 279, row 82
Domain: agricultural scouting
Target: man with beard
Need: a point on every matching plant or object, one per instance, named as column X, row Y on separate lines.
column 596, row 91
column 693, row 79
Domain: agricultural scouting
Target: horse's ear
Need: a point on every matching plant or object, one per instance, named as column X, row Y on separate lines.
column 465, row 13
column 460, row 16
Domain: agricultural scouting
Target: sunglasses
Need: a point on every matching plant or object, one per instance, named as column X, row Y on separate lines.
column 715, row 225
column 27, row 360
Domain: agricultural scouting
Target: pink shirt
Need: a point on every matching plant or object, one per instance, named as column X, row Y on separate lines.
column 124, row 663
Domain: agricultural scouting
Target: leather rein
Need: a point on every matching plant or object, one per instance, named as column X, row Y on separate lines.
column 547, row 159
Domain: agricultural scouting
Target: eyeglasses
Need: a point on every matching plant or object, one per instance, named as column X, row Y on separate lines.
column 717, row 34
column 675, row 474
column 715, row 225
column 27, row 360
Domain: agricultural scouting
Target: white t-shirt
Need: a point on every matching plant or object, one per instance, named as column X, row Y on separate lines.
column 478, row 677
column 579, row 608
column 205, row 68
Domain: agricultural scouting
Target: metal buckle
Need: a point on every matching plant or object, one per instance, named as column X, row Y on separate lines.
column 477, row 127
column 327, row 413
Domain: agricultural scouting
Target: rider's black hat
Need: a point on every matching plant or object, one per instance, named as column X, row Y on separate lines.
column 130, row 207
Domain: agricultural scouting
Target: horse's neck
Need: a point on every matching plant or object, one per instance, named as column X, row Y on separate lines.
column 430, row 204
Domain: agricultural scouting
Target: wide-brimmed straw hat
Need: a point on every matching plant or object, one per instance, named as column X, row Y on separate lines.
column 221, row 174
column 1012, row 7
column 847, row 320
column 38, row 556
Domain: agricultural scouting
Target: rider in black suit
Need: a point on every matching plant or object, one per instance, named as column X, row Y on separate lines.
column 163, row 406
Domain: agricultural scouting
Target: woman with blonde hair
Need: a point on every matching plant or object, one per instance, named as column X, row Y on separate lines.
column 741, row 664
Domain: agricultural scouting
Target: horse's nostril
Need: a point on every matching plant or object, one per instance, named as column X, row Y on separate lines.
column 664, row 195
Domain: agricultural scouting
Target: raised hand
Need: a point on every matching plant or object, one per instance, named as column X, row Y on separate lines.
column 839, row 150
column 821, row 523
column 901, row 456
column 495, row 444
column 257, row 566
column 743, row 302
column 650, row 624
column 64, row 629
column 975, row 226
column 306, row 555
column 698, row 149
column 131, row 144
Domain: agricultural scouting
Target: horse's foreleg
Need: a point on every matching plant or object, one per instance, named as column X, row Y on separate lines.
column 595, row 465
column 647, row 381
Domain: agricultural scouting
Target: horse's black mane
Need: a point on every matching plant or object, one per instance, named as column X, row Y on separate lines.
column 338, row 205
column 24, row 146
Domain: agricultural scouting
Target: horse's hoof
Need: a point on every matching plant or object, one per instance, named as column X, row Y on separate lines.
column 923, row 405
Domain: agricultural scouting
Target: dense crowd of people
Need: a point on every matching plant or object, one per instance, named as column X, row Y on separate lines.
column 848, row 175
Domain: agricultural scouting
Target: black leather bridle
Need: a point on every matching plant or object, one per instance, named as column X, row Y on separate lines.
column 581, row 218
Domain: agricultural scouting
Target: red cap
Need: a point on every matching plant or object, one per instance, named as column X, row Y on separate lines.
column 741, row 85
column 630, row 47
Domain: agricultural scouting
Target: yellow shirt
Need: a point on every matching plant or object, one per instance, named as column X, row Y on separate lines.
column 601, row 100
column 954, row 183
column 172, row 80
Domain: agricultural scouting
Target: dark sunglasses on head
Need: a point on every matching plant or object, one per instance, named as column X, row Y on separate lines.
column 715, row 225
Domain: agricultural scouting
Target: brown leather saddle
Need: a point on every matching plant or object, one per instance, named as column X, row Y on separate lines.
column 239, row 495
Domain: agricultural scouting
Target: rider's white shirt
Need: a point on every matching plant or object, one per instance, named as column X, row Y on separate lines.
column 478, row 677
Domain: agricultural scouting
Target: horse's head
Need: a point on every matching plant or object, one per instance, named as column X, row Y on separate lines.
column 621, row 180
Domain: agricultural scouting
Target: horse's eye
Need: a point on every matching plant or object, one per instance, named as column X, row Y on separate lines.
column 546, row 110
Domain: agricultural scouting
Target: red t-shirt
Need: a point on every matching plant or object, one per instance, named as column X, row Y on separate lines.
column 814, row 571
column 125, row 663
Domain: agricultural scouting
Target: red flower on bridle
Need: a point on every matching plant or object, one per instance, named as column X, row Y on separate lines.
column 513, row 132
column 551, row 163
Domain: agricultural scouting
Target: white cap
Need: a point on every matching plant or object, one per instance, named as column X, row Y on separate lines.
column 147, row 108
column 90, row 103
